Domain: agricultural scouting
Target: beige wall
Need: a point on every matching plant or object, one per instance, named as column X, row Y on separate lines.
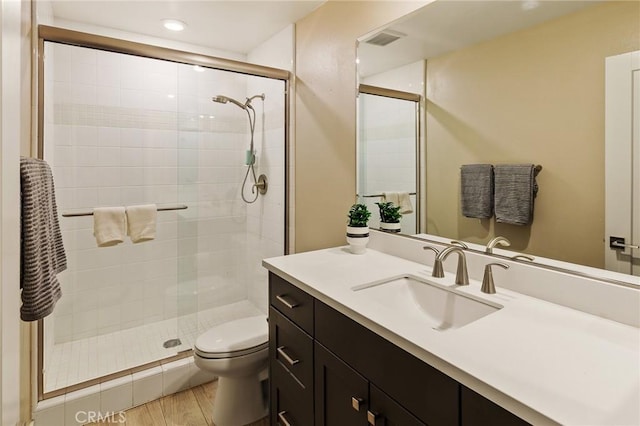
column 536, row 96
column 325, row 114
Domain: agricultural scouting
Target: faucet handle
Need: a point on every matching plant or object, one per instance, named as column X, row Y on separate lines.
column 437, row 271
column 488, row 285
column 523, row 257
column 432, row 248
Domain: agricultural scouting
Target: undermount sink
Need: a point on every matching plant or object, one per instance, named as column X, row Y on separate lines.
column 423, row 302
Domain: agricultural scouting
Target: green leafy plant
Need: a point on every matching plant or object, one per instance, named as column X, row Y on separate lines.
column 389, row 213
column 358, row 215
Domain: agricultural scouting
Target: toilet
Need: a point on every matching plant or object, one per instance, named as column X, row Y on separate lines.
column 237, row 353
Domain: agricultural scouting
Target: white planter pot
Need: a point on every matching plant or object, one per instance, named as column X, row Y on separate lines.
column 390, row 227
column 358, row 238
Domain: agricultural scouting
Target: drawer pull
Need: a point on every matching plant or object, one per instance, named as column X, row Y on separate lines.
column 286, row 356
column 372, row 418
column 355, row 402
column 287, row 303
column 283, row 419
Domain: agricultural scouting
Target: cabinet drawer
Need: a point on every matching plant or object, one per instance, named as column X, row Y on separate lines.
column 291, row 404
column 430, row 395
column 291, row 347
column 294, row 303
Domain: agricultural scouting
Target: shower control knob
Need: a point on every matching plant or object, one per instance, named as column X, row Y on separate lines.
column 262, row 184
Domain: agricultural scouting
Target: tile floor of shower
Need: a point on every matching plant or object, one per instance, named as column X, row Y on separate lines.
column 81, row 360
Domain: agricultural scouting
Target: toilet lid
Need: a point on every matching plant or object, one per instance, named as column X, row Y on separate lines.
column 234, row 336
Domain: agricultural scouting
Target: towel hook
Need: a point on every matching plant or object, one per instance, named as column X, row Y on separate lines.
column 537, row 170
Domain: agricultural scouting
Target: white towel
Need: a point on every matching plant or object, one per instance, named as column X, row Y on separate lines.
column 109, row 225
column 390, row 197
column 141, row 222
column 404, row 201
column 400, row 199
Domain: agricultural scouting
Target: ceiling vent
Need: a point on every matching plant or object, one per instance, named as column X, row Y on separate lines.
column 384, row 37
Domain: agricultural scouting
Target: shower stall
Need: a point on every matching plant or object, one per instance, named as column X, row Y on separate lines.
column 126, row 124
column 388, row 150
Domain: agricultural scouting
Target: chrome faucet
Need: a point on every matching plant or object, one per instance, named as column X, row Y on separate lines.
column 488, row 285
column 459, row 244
column 495, row 241
column 462, row 277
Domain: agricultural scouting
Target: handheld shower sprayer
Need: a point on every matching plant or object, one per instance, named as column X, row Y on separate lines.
column 225, row 99
column 250, row 157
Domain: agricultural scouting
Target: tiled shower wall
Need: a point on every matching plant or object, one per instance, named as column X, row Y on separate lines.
column 124, row 130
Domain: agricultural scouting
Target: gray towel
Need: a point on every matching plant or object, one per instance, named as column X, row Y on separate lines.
column 515, row 191
column 476, row 189
column 42, row 252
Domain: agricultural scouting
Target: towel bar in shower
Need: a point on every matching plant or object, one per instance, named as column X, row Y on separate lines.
column 379, row 195
column 90, row 213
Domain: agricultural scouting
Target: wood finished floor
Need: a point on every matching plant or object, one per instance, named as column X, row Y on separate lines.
column 191, row 407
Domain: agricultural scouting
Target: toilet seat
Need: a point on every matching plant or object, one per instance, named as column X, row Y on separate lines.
column 234, row 338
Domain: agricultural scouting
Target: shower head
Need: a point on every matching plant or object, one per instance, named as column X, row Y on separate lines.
column 221, row 99
column 261, row 96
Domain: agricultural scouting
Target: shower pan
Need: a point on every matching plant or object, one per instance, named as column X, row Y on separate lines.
column 123, row 129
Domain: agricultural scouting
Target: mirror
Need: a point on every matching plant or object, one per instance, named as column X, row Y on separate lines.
column 507, row 82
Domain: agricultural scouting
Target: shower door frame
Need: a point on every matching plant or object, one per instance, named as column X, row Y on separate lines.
column 366, row 89
column 93, row 41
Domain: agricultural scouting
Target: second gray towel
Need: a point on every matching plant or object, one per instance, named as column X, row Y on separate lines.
column 476, row 189
column 515, row 190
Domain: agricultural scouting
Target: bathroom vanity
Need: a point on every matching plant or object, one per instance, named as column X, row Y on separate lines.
column 346, row 347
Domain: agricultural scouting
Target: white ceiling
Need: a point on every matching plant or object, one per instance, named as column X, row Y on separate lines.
column 232, row 25
column 447, row 25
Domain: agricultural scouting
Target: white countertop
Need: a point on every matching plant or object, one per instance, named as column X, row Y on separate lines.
column 544, row 362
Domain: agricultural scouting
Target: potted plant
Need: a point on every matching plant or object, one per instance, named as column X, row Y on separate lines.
column 358, row 228
column 389, row 217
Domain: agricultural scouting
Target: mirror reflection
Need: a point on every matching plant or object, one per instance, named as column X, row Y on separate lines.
column 519, row 82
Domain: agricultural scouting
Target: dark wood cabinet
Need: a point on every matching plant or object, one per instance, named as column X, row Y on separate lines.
column 341, row 393
column 477, row 410
column 429, row 394
column 344, row 397
column 384, row 411
column 291, row 404
column 328, row 370
column 290, row 354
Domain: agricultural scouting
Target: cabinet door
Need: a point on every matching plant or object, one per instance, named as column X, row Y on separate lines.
column 340, row 392
column 477, row 410
column 384, row 411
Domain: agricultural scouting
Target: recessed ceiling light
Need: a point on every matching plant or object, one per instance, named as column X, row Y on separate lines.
column 198, row 68
column 173, row 24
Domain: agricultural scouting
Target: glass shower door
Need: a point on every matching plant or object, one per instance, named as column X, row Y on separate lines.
column 387, row 153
